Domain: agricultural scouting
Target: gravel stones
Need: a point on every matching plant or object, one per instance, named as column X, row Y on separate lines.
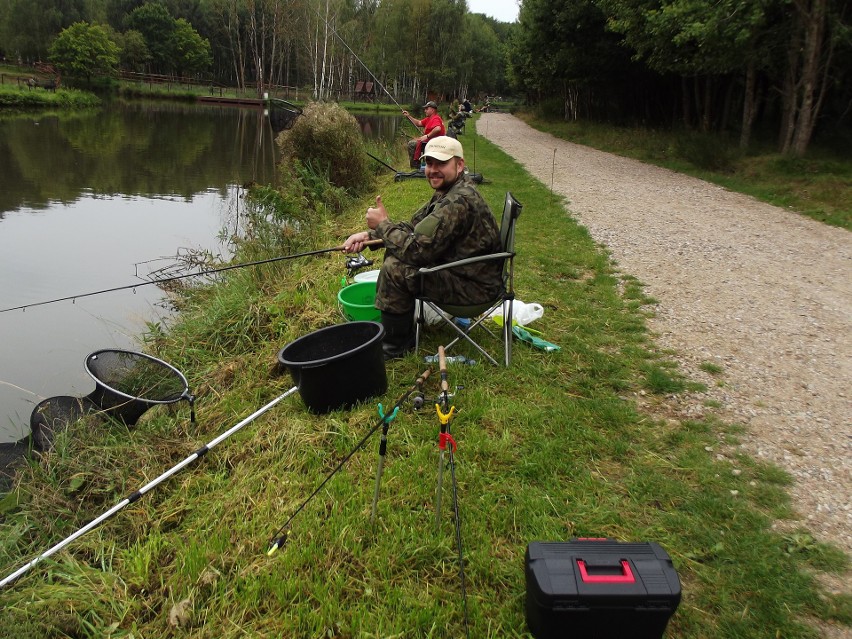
column 762, row 293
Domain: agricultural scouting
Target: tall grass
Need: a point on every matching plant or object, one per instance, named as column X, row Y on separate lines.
column 555, row 447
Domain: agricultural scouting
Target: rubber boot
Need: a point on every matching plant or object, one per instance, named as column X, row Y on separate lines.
column 399, row 334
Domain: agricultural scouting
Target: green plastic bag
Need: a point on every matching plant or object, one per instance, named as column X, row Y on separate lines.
column 525, row 336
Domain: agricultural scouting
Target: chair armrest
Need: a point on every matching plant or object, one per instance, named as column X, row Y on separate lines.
column 468, row 260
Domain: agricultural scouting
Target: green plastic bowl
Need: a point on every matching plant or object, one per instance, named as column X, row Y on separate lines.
column 357, row 302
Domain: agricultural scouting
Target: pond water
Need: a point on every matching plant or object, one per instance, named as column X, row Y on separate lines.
column 104, row 199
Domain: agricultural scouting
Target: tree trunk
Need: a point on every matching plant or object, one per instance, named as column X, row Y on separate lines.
column 684, row 92
column 789, row 93
column 814, row 29
column 749, row 104
column 708, row 104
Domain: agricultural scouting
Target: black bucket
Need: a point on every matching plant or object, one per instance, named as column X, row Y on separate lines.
column 337, row 366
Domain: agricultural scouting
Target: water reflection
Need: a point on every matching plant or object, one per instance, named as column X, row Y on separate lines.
column 92, row 200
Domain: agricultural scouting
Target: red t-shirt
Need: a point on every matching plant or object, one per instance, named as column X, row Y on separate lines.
column 432, row 122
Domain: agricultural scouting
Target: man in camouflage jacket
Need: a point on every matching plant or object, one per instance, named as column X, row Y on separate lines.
column 455, row 224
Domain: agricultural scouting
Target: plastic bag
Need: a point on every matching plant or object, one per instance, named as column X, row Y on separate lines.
column 522, row 313
column 525, row 336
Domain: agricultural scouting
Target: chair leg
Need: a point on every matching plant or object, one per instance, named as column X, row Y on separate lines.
column 507, row 332
column 419, row 319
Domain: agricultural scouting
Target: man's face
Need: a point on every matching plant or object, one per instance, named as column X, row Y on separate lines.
column 442, row 175
column 430, row 111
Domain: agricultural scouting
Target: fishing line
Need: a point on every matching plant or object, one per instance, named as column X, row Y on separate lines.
column 279, row 538
column 375, row 79
column 164, row 280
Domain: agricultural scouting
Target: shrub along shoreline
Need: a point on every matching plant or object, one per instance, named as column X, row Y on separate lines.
column 17, row 98
column 550, row 449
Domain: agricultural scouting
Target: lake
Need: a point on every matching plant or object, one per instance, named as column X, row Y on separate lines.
column 96, row 200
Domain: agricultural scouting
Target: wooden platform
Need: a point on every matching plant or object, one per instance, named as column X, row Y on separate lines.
column 255, row 102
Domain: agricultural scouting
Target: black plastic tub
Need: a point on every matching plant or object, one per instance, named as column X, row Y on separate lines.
column 337, row 366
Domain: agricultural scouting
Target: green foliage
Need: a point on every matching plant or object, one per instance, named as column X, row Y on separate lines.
column 134, row 51
column 192, row 53
column 173, row 44
column 707, row 151
column 326, row 141
column 15, row 98
column 555, row 447
column 84, row 50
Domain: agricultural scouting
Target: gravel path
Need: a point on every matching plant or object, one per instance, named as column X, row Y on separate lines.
column 763, row 293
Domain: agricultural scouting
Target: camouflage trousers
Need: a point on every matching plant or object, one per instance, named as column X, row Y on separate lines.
column 400, row 283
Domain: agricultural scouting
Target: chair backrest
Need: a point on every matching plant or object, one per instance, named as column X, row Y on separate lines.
column 511, row 212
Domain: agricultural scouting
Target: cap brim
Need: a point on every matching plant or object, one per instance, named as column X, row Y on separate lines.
column 441, row 157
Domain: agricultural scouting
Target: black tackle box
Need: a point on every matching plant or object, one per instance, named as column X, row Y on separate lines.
column 599, row 589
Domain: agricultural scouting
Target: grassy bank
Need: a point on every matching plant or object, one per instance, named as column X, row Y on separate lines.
column 553, row 448
column 818, row 185
column 13, row 97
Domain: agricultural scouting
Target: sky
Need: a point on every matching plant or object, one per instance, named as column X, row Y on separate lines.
column 502, row 10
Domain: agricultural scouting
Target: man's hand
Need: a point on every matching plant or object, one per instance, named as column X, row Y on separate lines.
column 355, row 242
column 376, row 215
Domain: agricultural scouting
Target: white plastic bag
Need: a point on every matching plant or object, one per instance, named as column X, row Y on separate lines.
column 522, row 313
column 430, row 316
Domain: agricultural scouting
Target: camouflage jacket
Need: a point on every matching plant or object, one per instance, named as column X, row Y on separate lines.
column 452, row 226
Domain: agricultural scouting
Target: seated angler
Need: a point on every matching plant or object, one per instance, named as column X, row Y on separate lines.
column 432, row 125
column 454, row 224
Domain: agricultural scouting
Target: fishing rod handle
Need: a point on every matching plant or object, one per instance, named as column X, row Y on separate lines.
column 422, row 378
column 367, row 244
column 442, row 364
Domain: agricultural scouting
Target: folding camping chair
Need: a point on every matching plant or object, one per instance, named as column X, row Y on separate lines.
column 479, row 313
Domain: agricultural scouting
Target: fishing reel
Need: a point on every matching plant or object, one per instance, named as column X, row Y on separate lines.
column 356, row 263
column 420, row 400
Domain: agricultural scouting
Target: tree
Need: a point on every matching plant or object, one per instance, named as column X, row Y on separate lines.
column 191, row 53
column 174, row 45
column 817, row 30
column 156, row 25
column 29, row 26
column 563, row 48
column 84, row 50
column 134, row 54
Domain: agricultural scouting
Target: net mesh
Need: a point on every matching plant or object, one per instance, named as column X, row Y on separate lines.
column 53, row 415
column 283, row 114
column 136, row 376
column 127, row 383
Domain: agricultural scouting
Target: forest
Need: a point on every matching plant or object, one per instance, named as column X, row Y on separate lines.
column 777, row 68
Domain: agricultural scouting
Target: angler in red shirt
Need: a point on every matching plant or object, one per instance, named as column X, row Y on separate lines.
column 432, row 126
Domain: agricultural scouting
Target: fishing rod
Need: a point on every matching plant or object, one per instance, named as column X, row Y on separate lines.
column 24, row 307
column 366, row 68
column 282, row 534
column 446, row 442
column 382, row 162
column 147, row 487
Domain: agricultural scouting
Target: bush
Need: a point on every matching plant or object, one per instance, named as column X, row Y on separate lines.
column 327, row 139
column 706, row 151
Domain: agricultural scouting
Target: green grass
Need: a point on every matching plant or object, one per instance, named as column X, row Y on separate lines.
column 552, row 448
column 818, row 185
column 16, row 98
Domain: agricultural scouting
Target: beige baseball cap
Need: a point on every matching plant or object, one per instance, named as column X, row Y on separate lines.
column 443, row 148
